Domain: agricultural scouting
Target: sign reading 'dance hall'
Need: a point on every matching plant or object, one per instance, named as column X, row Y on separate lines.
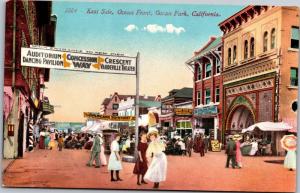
column 77, row 60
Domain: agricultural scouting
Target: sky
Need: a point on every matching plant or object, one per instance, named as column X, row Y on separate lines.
column 165, row 43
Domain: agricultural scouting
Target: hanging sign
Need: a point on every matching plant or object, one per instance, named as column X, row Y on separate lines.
column 91, row 115
column 77, row 60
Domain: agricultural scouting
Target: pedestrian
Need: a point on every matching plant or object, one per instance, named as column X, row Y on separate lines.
column 42, row 139
column 157, row 171
column 206, row 143
column 95, row 152
column 182, row 147
column 140, row 167
column 102, row 152
column 201, row 145
column 231, row 152
column 47, row 139
column 60, row 142
column 114, row 162
column 189, row 145
column 237, row 139
column 52, row 143
column 290, row 160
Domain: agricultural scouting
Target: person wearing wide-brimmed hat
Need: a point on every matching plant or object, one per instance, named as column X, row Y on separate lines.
column 231, row 152
column 237, row 138
column 157, row 170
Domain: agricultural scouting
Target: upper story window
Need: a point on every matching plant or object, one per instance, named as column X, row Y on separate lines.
column 295, row 37
column 115, row 106
column 218, row 66
column 115, row 114
column 273, row 38
column 229, row 56
column 198, row 98
column 246, row 49
column 294, row 76
column 252, row 47
column 207, row 70
column 234, row 54
column 199, row 73
column 207, row 96
column 217, row 99
column 116, row 99
column 265, row 42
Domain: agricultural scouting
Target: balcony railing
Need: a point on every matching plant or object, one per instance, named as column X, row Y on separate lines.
column 294, row 81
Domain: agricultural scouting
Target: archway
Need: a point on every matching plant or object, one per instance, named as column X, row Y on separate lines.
column 240, row 117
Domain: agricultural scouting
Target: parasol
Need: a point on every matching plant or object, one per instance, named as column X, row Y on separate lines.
column 289, row 142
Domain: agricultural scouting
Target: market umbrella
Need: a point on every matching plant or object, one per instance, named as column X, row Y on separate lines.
column 289, row 142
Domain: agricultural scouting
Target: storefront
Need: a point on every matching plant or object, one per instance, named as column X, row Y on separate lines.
column 207, row 118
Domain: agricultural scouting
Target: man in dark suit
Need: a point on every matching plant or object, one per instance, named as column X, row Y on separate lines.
column 231, row 152
column 95, row 152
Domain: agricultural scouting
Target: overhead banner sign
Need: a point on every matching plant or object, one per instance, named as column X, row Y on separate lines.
column 183, row 111
column 91, row 115
column 77, row 60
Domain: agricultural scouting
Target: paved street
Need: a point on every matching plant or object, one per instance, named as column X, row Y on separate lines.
column 66, row 169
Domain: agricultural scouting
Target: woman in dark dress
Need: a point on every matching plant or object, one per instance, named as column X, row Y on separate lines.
column 141, row 167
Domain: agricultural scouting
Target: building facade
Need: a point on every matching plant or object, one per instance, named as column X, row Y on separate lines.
column 110, row 106
column 27, row 23
column 206, row 65
column 260, row 75
column 169, row 117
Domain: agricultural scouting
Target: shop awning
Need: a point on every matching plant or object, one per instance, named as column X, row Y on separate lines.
column 269, row 126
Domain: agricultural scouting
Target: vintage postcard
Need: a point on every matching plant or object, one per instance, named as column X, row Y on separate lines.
column 149, row 96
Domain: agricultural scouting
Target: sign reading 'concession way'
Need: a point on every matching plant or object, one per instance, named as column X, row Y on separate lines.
column 92, row 62
column 91, row 115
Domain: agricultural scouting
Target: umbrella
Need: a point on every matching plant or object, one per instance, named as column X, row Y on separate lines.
column 289, row 142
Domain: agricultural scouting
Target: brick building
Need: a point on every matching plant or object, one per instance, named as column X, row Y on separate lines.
column 261, row 45
column 27, row 23
column 206, row 66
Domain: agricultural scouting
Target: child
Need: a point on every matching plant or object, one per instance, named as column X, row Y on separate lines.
column 60, row 142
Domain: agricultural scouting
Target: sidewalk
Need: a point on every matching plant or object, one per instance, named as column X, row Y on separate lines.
column 5, row 163
column 67, row 169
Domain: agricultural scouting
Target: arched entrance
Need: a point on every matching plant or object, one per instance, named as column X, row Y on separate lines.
column 240, row 117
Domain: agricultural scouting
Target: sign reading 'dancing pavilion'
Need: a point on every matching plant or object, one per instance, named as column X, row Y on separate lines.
column 43, row 57
column 209, row 110
column 91, row 115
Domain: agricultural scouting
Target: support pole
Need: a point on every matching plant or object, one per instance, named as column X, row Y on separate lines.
column 137, row 101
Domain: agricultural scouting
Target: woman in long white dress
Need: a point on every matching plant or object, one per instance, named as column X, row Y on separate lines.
column 114, row 162
column 157, row 171
column 290, row 160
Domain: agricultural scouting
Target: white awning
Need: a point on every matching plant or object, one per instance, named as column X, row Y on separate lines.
column 269, row 126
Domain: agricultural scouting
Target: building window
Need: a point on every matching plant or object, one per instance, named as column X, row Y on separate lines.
column 294, row 76
column 116, row 99
column 115, row 106
column 218, row 66
column 207, row 70
column 265, row 42
column 234, row 54
column 115, row 114
column 273, row 37
column 207, row 96
column 246, row 49
column 199, row 76
column 198, row 98
column 252, row 47
column 229, row 56
column 295, row 37
column 217, row 99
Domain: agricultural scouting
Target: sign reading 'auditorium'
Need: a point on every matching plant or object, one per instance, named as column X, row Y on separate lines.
column 68, row 60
